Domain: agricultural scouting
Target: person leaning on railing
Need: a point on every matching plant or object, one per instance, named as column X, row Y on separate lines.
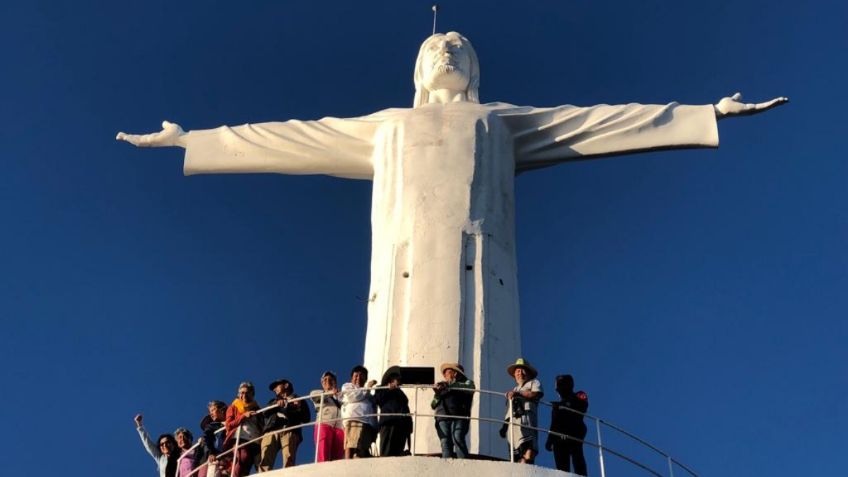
column 453, row 397
column 524, row 397
column 164, row 451
column 212, row 442
column 188, row 454
column 288, row 413
column 359, row 413
column 565, row 421
column 394, row 429
column 329, row 435
column 241, row 421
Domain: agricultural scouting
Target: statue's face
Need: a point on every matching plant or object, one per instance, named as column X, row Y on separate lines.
column 447, row 64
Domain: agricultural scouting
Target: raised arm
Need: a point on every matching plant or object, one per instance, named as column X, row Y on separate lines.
column 332, row 146
column 151, row 447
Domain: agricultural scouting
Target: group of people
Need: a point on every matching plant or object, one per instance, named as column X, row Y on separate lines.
column 278, row 426
column 348, row 423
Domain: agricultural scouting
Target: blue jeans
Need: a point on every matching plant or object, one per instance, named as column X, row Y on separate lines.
column 452, row 434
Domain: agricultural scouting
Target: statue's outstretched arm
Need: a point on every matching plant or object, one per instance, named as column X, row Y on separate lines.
column 333, row 146
column 170, row 135
column 732, row 106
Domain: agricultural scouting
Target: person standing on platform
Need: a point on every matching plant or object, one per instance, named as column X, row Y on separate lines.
column 453, row 397
column 525, row 397
column 212, row 442
column 359, row 414
column 164, row 451
column 329, row 436
column 188, row 456
column 394, row 429
column 288, row 413
column 241, row 420
column 565, row 420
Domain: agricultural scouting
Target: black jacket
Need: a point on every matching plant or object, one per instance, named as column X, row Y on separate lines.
column 290, row 415
column 392, row 401
column 565, row 421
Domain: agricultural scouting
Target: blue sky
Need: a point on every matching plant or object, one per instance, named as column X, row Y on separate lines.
column 697, row 296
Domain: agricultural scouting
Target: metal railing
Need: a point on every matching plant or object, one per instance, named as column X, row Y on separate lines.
column 511, row 423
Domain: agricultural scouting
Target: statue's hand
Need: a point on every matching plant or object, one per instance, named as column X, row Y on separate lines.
column 170, row 135
column 731, row 106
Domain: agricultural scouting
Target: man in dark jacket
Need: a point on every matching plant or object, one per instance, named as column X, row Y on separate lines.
column 565, row 421
column 394, row 429
column 288, row 413
column 453, row 398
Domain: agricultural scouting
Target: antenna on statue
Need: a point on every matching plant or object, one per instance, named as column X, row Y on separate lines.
column 435, row 12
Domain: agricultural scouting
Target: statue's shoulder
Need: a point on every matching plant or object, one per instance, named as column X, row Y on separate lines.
column 506, row 109
column 384, row 114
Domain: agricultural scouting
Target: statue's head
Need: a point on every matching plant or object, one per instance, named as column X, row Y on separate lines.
column 446, row 61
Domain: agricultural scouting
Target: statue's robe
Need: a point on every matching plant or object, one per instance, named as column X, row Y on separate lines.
column 443, row 268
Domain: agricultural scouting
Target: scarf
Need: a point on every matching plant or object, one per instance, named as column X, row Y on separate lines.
column 243, row 407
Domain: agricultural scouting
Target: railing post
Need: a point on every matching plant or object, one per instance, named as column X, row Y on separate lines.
column 600, row 447
column 510, row 437
column 318, row 425
column 670, row 466
column 414, row 421
column 235, row 451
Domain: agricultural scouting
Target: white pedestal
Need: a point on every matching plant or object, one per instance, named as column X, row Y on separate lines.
column 416, row 466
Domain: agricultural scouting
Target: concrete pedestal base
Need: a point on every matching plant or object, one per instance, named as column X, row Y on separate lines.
column 416, row 466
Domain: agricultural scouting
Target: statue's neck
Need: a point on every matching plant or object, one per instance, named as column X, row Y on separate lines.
column 445, row 96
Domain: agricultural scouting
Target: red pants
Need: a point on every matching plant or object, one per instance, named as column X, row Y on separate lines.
column 245, row 459
column 330, row 443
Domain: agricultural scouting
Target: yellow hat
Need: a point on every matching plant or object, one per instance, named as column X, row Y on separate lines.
column 522, row 363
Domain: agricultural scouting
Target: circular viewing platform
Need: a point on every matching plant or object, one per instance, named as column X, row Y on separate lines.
column 611, row 449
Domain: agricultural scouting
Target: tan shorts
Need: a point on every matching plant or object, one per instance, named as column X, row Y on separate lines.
column 358, row 436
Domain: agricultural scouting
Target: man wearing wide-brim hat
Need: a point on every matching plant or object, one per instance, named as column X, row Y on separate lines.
column 452, row 403
column 524, row 398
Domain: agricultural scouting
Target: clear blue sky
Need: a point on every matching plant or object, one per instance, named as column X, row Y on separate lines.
column 698, row 296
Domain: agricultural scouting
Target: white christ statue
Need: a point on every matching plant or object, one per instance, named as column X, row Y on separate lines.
column 443, row 269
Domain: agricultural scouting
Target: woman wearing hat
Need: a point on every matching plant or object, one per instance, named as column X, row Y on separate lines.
column 453, row 398
column 394, row 428
column 525, row 397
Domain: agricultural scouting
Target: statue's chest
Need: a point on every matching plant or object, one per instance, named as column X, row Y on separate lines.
column 448, row 144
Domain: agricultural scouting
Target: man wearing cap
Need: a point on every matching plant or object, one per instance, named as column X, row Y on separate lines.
column 524, row 397
column 288, row 413
column 453, row 398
